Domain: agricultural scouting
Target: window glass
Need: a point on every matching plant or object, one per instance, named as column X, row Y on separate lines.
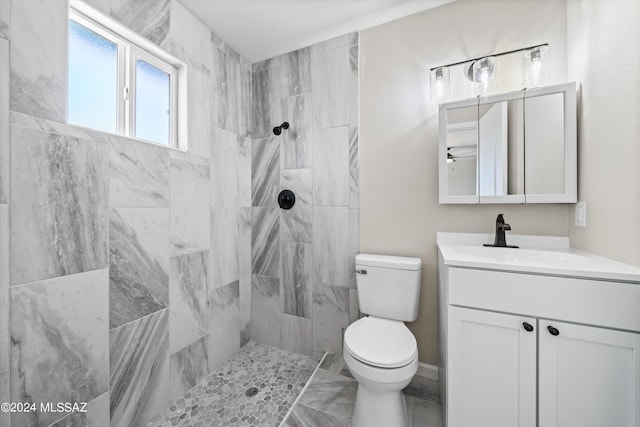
column 93, row 79
column 153, row 97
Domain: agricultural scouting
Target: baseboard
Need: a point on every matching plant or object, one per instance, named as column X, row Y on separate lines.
column 427, row 371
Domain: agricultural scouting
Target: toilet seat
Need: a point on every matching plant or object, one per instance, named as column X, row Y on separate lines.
column 380, row 342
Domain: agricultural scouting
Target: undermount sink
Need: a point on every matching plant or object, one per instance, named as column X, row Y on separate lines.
column 535, row 257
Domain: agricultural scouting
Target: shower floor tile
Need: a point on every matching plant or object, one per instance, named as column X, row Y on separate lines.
column 329, row 399
column 256, row 387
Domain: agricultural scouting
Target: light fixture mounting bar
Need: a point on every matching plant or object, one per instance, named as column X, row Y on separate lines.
column 495, row 54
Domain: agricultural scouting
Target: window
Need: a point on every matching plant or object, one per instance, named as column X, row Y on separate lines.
column 119, row 82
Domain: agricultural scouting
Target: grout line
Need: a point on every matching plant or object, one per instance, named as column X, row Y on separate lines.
column 295, row 402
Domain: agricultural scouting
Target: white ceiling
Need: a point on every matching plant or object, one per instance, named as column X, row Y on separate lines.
column 261, row 29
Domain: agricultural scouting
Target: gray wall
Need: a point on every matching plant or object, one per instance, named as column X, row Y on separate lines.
column 124, row 286
column 302, row 283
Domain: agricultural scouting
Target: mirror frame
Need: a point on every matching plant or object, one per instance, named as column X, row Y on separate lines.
column 570, row 194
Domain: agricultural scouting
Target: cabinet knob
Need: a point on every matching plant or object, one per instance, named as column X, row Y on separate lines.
column 553, row 331
column 527, row 326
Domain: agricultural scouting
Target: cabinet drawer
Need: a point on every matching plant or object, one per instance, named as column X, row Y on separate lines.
column 594, row 302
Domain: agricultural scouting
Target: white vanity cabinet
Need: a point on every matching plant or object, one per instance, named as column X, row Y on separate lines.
column 535, row 349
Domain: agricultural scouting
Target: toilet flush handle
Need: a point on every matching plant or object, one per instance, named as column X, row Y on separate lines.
column 361, row 271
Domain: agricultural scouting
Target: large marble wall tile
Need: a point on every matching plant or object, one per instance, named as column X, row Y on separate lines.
column 295, row 223
column 190, row 38
column 354, row 228
column 296, row 334
column 138, row 174
column 59, row 338
column 139, row 370
column 354, row 188
column 5, row 396
column 244, row 171
column 245, row 310
column 149, row 18
column 64, row 129
column 296, row 278
column 265, row 100
column 138, row 263
column 96, row 415
column 244, row 241
column 188, row 367
column 39, row 58
column 198, row 112
column 265, row 171
column 227, row 92
column 354, row 306
column 353, row 147
column 331, row 167
column 330, row 86
column 330, row 316
column 331, row 246
column 245, row 101
column 189, row 203
column 188, row 311
column 4, row 118
column 225, row 323
column 266, row 312
column 265, row 243
column 59, row 197
column 230, row 170
column 296, row 141
column 353, row 85
column 296, row 72
column 224, row 246
column 4, row 287
column 340, row 41
column 5, row 18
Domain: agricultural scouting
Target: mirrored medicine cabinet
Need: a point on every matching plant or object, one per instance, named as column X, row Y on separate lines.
column 517, row 147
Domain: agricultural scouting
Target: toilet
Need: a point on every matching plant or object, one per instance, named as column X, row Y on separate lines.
column 379, row 350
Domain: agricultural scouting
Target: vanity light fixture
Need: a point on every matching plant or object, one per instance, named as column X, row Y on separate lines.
column 440, row 83
column 482, row 71
column 535, row 66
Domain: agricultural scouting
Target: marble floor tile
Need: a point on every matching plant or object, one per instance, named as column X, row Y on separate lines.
column 138, row 174
column 296, row 72
column 139, row 370
column 295, row 223
column 224, row 323
column 295, row 334
column 188, row 308
column 188, row 367
column 331, row 246
column 96, row 415
column 330, row 86
column 329, row 399
column 330, row 316
column 295, row 148
column 265, row 243
column 59, row 198
column 149, row 18
column 190, row 218
column 4, row 287
column 59, row 337
column 296, row 278
column 254, row 388
column 265, row 172
column 4, row 115
column 138, row 263
column 39, row 59
column 265, row 310
column 331, row 166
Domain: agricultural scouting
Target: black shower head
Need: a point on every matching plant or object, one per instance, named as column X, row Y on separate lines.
column 278, row 129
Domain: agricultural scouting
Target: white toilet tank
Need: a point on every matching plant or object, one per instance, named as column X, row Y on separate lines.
column 388, row 286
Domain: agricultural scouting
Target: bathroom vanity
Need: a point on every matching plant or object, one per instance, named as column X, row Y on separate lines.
column 538, row 336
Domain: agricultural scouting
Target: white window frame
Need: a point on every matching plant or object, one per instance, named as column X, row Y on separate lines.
column 132, row 47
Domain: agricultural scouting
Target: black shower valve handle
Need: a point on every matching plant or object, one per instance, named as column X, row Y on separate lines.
column 278, row 129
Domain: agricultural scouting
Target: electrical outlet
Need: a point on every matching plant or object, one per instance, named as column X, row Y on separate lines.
column 580, row 219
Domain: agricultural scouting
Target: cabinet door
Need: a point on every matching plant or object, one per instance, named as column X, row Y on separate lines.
column 589, row 376
column 492, row 369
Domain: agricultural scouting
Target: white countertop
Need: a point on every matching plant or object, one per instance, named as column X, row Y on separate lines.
column 537, row 254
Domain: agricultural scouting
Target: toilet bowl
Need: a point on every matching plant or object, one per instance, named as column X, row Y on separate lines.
column 382, row 355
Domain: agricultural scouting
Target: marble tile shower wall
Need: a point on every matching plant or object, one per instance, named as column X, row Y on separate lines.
column 125, row 274
column 302, row 260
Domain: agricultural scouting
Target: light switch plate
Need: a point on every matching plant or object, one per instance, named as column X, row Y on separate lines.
column 580, row 219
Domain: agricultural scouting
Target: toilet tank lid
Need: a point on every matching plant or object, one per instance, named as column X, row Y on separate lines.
column 389, row 261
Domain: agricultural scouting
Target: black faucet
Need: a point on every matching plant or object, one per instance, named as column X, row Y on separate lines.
column 501, row 227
